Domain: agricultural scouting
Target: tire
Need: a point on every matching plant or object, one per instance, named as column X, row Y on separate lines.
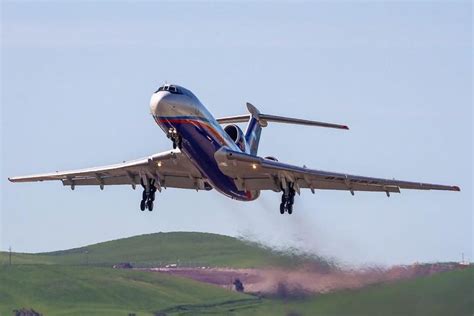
column 290, row 209
column 174, row 145
column 142, row 205
column 283, row 198
column 291, row 199
column 144, row 195
column 149, row 204
column 282, row 208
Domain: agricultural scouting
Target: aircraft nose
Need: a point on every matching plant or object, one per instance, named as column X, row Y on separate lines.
column 158, row 102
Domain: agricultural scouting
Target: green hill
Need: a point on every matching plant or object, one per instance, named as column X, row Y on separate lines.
column 80, row 282
column 448, row 293
column 183, row 248
column 73, row 290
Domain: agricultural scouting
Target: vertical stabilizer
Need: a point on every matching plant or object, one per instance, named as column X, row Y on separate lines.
column 254, row 129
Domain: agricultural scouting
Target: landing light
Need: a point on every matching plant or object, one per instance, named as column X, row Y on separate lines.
column 254, row 166
column 159, row 163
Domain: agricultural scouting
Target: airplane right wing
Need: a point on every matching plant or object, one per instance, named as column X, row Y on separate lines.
column 256, row 173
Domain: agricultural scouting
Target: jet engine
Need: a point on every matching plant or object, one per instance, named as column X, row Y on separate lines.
column 237, row 135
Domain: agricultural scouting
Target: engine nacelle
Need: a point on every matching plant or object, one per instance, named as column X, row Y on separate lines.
column 237, row 136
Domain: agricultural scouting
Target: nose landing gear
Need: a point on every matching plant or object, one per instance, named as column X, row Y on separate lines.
column 175, row 138
column 287, row 199
column 148, row 196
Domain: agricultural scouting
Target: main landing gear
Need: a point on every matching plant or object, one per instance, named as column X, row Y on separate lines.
column 175, row 138
column 148, row 196
column 287, row 199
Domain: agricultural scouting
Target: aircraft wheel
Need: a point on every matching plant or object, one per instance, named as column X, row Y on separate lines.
column 290, row 208
column 174, row 145
column 144, row 195
column 142, row 205
column 149, row 204
column 282, row 208
column 152, row 196
column 291, row 199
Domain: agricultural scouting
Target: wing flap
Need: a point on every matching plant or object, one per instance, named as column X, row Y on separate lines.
column 170, row 181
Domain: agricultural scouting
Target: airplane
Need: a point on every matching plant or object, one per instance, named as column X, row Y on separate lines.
column 208, row 156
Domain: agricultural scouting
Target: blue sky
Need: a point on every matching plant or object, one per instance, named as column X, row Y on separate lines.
column 77, row 78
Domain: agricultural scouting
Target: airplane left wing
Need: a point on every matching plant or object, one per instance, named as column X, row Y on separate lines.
column 256, row 173
column 168, row 169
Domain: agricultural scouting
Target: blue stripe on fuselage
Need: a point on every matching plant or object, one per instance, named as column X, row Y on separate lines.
column 200, row 146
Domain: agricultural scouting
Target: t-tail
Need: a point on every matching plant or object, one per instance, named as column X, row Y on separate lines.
column 254, row 129
column 257, row 120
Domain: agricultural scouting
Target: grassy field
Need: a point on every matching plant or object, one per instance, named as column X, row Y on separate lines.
column 73, row 290
column 449, row 293
column 81, row 282
column 185, row 248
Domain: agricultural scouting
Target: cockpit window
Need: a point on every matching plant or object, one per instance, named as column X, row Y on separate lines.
column 170, row 88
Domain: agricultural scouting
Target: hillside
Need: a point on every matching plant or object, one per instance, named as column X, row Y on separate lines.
column 183, row 248
column 448, row 293
column 80, row 281
column 56, row 289
column 72, row 290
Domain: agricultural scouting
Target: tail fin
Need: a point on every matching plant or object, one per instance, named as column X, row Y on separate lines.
column 254, row 129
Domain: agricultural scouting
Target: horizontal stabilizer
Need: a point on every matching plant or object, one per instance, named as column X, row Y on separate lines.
column 234, row 119
column 264, row 118
column 290, row 120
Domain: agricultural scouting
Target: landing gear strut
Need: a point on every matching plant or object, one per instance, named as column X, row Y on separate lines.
column 148, row 196
column 175, row 138
column 287, row 199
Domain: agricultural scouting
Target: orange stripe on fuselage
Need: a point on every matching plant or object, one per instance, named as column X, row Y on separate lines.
column 204, row 124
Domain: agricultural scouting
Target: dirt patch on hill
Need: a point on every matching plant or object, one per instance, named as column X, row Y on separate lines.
column 305, row 280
